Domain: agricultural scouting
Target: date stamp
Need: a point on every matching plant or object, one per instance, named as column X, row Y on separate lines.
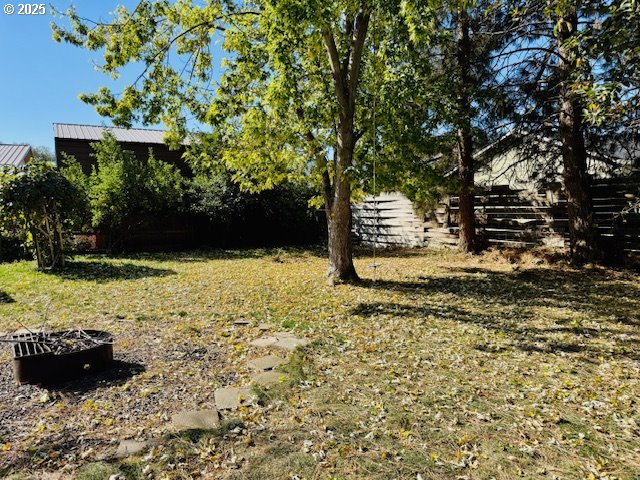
column 25, row 9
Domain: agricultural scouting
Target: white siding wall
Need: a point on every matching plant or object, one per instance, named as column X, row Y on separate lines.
column 388, row 220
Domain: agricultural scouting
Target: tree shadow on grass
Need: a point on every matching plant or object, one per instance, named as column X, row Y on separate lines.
column 508, row 303
column 206, row 254
column 593, row 291
column 520, row 332
column 5, row 298
column 100, row 271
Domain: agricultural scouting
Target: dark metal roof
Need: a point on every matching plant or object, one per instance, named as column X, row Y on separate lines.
column 91, row 132
column 14, row 155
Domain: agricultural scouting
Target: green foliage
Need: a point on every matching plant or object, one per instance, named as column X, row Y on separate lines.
column 124, row 195
column 35, row 204
column 72, row 171
column 610, row 92
column 123, row 192
column 12, row 245
column 43, row 154
column 280, row 215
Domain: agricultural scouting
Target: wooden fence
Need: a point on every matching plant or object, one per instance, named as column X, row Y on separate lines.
column 505, row 217
column 387, row 220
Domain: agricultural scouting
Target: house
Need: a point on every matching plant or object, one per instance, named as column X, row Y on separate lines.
column 518, row 203
column 15, row 155
column 76, row 140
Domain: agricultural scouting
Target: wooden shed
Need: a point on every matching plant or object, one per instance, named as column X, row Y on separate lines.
column 510, row 209
column 76, row 140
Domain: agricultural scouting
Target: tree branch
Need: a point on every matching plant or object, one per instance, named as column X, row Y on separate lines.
column 336, row 68
column 355, row 59
column 321, row 160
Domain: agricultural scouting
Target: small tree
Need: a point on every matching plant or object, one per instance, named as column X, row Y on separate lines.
column 35, row 202
column 123, row 192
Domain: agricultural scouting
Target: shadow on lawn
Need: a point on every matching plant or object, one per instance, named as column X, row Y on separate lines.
column 505, row 303
column 117, row 374
column 204, row 255
column 6, row 298
column 106, row 271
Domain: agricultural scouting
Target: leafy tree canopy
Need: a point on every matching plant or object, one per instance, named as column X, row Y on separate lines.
column 296, row 97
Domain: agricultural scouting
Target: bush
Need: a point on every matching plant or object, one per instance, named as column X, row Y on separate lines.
column 35, row 204
column 123, row 194
column 12, row 247
column 230, row 217
column 126, row 197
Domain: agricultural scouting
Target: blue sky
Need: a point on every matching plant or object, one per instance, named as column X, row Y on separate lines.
column 40, row 79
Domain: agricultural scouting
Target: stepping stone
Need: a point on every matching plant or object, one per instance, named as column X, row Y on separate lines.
column 241, row 322
column 268, row 378
column 289, row 342
column 130, row 447
column 265, row 326
column 196, row 420
column 264, row 342
column 265, row 363
column 285, row 341
column 230, row 398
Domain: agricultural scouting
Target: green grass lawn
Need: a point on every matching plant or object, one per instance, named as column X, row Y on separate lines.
column 446, row 367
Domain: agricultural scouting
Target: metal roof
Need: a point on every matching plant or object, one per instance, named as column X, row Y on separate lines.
column 14, row 155
column 91, row 132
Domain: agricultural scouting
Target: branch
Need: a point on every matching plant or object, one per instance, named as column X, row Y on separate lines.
column 355, row 59
column 336, row 69
column 327, row 188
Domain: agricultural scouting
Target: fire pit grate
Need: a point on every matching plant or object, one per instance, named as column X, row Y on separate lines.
column 47, row 358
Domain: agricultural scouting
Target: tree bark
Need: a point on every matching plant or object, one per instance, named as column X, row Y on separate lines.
column 466, row 169
column 341, row 268
column 584, row 239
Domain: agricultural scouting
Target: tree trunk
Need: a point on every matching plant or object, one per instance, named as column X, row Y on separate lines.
column 466, row 215
column 337, row 194
column 338, row 207
column 584, row 240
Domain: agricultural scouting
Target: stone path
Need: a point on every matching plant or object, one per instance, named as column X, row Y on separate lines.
column 196, row 420
column 285, row 341
column 268, row 378
column 130, row 447
column 262, row 364
column 230, row 398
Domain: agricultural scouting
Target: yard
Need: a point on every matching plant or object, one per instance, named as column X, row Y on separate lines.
column 447, row 367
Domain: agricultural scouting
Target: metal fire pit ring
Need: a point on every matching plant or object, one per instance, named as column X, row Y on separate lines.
column 53, row 357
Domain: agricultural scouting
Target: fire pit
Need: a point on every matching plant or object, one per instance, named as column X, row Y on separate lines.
column 48, row 358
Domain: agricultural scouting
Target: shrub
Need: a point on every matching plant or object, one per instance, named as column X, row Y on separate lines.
column 123, row 193
column 233, row 217
column 35, row 204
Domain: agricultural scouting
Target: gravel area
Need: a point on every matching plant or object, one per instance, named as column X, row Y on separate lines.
column 84, row 419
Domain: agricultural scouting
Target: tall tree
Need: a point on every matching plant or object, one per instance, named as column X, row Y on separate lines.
column 464, row 137
column 551, row 63
column 456, row 38
column 290, row 101
column 583, row 234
